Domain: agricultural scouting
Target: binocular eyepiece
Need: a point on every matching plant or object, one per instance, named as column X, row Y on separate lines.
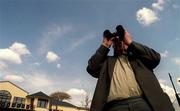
column 119, row 34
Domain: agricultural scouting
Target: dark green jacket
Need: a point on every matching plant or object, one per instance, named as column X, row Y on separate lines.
column 143, row 60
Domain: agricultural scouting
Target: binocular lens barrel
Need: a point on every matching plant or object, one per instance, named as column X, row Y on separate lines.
column 119, row 33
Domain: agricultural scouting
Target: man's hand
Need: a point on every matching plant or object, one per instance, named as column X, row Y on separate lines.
column 107, row 43
column 127, row 40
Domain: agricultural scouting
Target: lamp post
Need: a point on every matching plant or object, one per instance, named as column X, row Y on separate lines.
column 176, row 94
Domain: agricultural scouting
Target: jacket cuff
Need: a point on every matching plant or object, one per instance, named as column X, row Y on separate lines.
column 131, row 46
column 103, row 50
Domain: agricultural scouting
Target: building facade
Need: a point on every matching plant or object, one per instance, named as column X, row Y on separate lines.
column 12, row 97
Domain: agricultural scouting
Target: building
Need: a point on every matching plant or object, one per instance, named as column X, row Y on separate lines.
column 39, row 101
column 62, row 106
column 12, row 97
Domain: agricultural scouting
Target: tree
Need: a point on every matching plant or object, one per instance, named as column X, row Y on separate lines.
column 59, row 96
column 86, row 102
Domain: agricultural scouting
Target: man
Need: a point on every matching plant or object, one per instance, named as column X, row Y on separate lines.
column 126, row 81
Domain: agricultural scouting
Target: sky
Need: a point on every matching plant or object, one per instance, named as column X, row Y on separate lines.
column 45, row 44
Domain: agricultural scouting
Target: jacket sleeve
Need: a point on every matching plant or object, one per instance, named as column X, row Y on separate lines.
column 96, row 61
column 149, row 57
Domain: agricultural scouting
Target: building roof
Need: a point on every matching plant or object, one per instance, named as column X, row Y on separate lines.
column 82, row 108
column 39, row 95
column 62, row 103
column 15, row 86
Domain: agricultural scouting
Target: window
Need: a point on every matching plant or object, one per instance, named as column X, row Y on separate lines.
column 18, row 102
column 5, row 96
column 42, row 103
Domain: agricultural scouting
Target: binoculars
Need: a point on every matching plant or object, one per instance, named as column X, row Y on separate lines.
column 118, row 35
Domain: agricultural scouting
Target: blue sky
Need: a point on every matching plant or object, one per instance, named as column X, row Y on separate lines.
column 45, row 44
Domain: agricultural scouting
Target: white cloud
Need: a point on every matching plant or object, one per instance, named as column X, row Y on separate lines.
column 175, row 6
column 58, row 65
column 13, row 77
column 19, row 48
column 13, row 53
column 3, row 65
column 164, row 54
column 37, row 63
column 77, row 82
column 52, row 57
column 172, row 42
column 41, row 81
column 176, row 39
column 38, row 80
column 159, row 5
column 76, row 92
column 146, row 16
column 51, row 35
column 168, row 90
column 78, row 96
column 56, row 30
column 83, row 40
column 79, row 42
column 10, row 56
column 176, row 61
column 162, row 81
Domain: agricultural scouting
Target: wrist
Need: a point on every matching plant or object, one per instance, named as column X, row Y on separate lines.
column 129, row 43
column 106, row 45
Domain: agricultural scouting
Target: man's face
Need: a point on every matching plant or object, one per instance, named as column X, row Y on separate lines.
column 118, row 47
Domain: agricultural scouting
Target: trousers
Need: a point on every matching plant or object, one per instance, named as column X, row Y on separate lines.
column 129, row 104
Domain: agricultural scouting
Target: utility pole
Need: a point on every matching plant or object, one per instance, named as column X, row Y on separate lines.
column 176, row 94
